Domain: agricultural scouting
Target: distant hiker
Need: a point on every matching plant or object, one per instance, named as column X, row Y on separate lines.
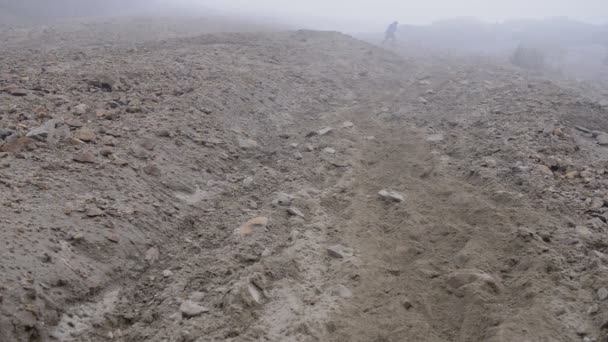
column 390, row 33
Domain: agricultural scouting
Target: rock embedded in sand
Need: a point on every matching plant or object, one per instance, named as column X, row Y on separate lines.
column 391, row 196
column 339, row 251
column 191, row 309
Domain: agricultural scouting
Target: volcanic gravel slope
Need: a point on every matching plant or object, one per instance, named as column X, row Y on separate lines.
column 226, row 187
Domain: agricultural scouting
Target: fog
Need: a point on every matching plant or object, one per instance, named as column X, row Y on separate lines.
column 365, row 15
column 344, row 15
column 572, row 34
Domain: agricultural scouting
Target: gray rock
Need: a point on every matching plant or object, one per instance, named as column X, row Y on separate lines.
column 152, row 255
column 298, row 156
column 283, row 199
column 602, row 294
column 597, row 203
column 423, row 100
column 391, row 196
column 81, row 109
column 42, row 133
column 197, row 296
column 342, row 292
column 329, row 150
column 325, row 131
column 340, row 252
column 85, row 157
column 347, row 124
column 5, row 133
column 435, row 138
column 582, row 129
column 602, row 139
column 94, row 212
column 247, row 144
column 295, row 212
column 167, row 273
column 248, row 182
column 191, row 309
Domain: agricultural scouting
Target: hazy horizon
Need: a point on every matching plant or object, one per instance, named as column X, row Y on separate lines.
column 365, row 15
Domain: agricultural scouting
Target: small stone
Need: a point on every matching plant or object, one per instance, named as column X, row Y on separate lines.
column 148, row 143
column 298, row 156
column 248, row 182
column 309, row 148
column 85, row 134
column 81, row 109
column 347, row 124
column 407, row 304
column 94, row 212
column 391, row 196
column 295, row 212
column 15, row 91
column 572, row 174
column 266, row 253
column 597, row 203
column 583, row 232
column 602, row 294
column 422, row 100
column 283, row 199
column 84, row 157
column 120, row 162
column 582, row 129
column 325, row 131
column 593, row 309
column 329, row 150
column 106, row 151
column 602, row 139
column 197, row 296
column 152, row 255
column 342, row 292
column 5, row 133
column 112, row 237
column 152, row 170
column 167, row 273
column 339, row 251
column 191, row 309
column 250, row 226
column 435, row 138
column 247, row 144
column 41, row 133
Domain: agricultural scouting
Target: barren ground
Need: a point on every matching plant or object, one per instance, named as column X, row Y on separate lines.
column 225, row 187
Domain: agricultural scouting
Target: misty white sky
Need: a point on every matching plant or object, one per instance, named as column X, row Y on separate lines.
column 368, row 14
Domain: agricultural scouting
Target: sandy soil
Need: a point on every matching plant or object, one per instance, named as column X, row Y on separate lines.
column 226, row 187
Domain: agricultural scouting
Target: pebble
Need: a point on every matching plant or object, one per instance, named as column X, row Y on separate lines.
column 152, row 170
column 339, row 251
column 41, row 133
column 583, row 232
column 329, row 150
column 197, row 296
column 106, row 151
column 325, row 131
column 81, row 109
column 248, row 182
column 250, row 226
column 602, row 139
column 84, row 157
column 5, row 133
column 152, row 255
column 298, row 156
column 407, row 304
column 435, row 138
column 602, row 294
column 283, row 199
column 266, row 253
column 247, row 144
column 422, row 100
column 342, row 292
column 85, row 134
column 191, row 309
column 167, row 273
column 391, row 196
column 347, row 124
column 295, row 212
column 94, row 212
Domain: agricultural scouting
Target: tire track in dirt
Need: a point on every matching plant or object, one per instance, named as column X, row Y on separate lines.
column 453, row 263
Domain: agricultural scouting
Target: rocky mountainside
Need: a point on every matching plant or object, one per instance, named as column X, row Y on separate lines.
column 293, row 186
